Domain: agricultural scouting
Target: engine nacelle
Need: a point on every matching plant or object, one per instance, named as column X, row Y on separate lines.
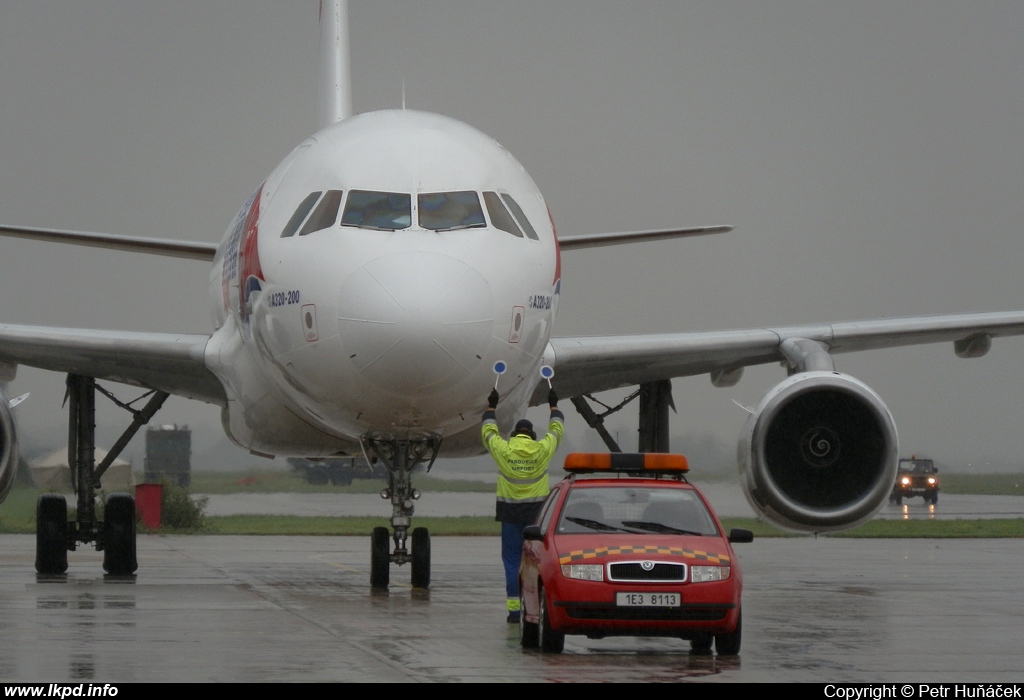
column 819, row 453
column 8, row 448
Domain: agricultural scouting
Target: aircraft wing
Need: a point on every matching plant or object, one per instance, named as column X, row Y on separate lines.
column 597, row 240
column 111, row 241
column 205, row 251
column 169, row 362
column 589, row 364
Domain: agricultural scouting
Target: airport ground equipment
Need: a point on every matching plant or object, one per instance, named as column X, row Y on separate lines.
column 169, row 455
column 626, row 546
column 916, row 477
column 339, row 471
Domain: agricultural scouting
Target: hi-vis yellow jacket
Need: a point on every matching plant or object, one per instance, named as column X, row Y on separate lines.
column 522, row 467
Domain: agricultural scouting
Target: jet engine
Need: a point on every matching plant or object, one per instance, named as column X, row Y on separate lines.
column 8, row 448
column 819, row 453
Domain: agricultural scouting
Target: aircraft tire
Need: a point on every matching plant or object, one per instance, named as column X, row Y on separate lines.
column 551, row 641
column 380, row 558
column 119, row 556
column 51, row 534
column 420, row 558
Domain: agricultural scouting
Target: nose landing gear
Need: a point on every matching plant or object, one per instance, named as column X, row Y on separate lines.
column 400, row 456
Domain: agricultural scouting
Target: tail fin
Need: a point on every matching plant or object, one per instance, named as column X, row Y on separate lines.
column 335, row 63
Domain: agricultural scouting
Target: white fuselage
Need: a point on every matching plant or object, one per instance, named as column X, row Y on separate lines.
column 361, row 292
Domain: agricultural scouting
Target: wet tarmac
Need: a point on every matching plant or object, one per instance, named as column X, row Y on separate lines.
column 257, row 609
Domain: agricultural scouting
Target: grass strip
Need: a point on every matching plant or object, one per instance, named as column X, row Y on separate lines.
column 313, row 526
column 486, row 526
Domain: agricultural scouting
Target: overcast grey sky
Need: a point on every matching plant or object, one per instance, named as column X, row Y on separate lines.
column 869, row 154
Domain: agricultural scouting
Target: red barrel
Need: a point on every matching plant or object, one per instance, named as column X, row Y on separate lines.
column 147, row 502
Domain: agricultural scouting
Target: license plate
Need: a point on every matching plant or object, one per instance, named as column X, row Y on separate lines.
column 647, row 600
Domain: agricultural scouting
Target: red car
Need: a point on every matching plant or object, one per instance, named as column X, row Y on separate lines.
column 635, row 550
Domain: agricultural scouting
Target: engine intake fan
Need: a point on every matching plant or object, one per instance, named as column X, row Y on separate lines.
column 819, row 453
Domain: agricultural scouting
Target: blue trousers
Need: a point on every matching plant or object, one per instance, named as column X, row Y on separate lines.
column 511, row 555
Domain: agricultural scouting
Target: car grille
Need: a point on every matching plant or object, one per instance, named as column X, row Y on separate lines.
column 654, row 572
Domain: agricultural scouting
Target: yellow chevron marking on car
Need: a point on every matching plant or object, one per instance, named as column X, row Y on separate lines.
column 597, row 552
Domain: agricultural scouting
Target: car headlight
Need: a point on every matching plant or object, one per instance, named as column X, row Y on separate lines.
column 931, row 481
column 703, row 574
column 905, row 481
column 585, row 572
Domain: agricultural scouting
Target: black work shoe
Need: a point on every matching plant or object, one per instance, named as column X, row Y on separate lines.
column 513, row 618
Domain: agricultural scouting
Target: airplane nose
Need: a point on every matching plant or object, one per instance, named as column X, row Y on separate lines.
column 415, row 323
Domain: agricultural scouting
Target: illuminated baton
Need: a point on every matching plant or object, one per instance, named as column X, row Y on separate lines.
column 547, row 372
column 499, row 369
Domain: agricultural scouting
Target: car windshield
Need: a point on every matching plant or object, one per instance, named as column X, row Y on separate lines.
column 918, row 466
column 635, row 509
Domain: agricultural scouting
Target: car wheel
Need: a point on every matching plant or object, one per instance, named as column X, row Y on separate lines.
column 550, row 641
column 529, row 633
column 899, row 500
column 701, row 644
column 729, row 644
column 935, row 498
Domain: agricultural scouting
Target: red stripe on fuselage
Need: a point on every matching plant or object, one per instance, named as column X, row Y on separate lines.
column 558, row 254
column 250, row 263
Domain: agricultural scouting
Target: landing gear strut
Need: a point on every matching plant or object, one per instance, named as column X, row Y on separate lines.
column 655, row 401
column 400, row 457
column 115, row 535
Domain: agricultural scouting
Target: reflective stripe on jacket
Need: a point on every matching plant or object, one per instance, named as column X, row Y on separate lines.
column 522, row 463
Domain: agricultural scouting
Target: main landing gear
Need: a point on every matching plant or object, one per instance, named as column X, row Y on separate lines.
column 400, row 457
column 655, row 401
column 115, row 534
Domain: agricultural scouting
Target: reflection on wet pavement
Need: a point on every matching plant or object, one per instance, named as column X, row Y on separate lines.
column 255, row 609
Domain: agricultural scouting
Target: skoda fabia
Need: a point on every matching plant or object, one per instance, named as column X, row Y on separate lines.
column 625, row 545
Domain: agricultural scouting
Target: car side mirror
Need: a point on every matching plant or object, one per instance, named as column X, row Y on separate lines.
column 532, row 532
column 740, row 536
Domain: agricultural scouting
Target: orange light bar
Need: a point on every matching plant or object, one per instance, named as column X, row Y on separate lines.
column 626, row 462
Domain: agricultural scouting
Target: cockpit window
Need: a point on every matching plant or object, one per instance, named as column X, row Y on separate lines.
column 300, row 214
column 325, row 214
column 500, row 216
column 383, row 211
column 520, row 215
column 447, row 211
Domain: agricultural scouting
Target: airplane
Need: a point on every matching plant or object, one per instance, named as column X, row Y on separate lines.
column 8, row 442
column 362, row 296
